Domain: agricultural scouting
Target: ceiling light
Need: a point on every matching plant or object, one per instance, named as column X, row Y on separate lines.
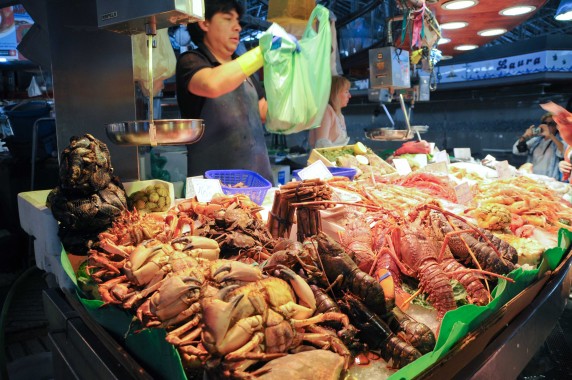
column 466, row 47
column 454, row 25
column 459, row 4
column 446, row 57
column 491, row 32
column 564, row 11
column 518, row 10
column 443, row 40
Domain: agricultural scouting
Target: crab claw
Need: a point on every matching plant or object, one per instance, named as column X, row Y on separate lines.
column 217, row 316
column 303, row 291
column 143, row 252
column 237, row 271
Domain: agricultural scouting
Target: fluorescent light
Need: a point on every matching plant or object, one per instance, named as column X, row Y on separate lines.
column 518, row 10
column 446, row 57
column 459, row 4
column 466, row 47
column 454, row 25
column 564, row 11
column 3, row 59
column 491, row 32
column 443, row 40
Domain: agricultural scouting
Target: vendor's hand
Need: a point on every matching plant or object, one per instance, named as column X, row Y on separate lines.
column 277, row 41
column 564, row 166
column 278, row 34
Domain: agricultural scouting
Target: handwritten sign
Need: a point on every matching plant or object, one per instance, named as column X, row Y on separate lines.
column 437, row 167
column 503, row 170
column 462, row 153
column 441, row 156
column 203, row 189
column 316, row 170
column 463, row 192
column 402, row 166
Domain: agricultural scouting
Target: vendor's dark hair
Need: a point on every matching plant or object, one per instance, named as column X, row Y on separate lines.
column 213, row 7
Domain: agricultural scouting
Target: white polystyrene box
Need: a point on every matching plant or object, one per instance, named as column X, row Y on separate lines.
column 37, row 220
column 132, row 187
column 56, row 268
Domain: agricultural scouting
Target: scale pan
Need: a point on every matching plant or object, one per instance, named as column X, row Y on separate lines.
column 169, row 132
column 384, row 134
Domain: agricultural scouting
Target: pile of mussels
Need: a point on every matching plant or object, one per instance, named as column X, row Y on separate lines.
column 88, row 197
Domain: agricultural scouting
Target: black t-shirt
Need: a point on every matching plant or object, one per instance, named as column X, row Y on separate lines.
column 190, row 105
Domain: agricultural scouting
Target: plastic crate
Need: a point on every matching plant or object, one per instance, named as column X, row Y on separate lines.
column 256, row 185
column 336, row 172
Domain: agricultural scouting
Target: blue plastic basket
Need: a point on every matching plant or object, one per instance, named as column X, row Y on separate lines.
column 256, row 185
column 336, row 172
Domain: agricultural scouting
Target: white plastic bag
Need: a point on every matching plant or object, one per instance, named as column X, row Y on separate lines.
column 33, row 88
column 164, row 61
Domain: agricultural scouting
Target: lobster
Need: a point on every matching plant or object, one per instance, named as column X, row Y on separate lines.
column 417, row 257
column 459, row 238
column 377, row 334
column 341, row 270
column 418, row 334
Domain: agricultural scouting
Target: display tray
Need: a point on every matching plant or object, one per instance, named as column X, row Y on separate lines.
column 317, row 154
column 545, row 298
column 480, row 347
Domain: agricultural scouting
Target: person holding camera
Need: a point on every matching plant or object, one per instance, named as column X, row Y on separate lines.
column 543, row 147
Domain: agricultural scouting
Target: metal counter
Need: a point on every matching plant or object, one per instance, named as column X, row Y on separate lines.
column 81, row 348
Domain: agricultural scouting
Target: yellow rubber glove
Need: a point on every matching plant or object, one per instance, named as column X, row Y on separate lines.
column 250, row 61
column 416, row 56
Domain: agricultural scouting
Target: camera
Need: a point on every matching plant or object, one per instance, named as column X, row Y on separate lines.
column 536, row 131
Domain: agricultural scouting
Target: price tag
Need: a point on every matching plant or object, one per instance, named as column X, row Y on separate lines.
column 503, row 170
column 441, row 156
column 462, row 153
column 402, row 166
column 203, row 189
column 421, row 160
column 437, row 167
column 463, row 192
column 431, row 147
column 316, row 170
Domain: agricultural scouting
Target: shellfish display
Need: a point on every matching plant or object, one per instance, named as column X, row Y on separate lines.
column 370, row 280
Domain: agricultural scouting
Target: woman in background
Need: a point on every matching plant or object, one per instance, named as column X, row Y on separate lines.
column 543, row 147
column 332, row 130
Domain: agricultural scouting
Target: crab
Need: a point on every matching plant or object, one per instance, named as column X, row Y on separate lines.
column 265, row 319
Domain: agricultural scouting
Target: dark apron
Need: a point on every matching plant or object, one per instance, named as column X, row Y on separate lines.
column 233, row 136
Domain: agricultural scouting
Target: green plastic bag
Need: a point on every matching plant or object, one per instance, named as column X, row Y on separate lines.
column 297, row 83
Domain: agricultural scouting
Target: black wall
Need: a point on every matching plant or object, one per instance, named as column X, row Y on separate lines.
column 487, row 120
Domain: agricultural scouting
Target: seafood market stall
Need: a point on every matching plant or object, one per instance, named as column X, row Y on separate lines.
column 515, row 343
column 152, row 286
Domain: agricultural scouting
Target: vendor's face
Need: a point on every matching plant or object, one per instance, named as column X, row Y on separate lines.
column 344, row 97
column 222, row 32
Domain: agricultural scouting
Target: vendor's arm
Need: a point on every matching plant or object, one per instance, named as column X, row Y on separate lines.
column 212, row 82
column 564, row 166
column 263, row 108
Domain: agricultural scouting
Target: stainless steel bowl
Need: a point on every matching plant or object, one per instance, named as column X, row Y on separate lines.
column 168, row 132
column 385, row 134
